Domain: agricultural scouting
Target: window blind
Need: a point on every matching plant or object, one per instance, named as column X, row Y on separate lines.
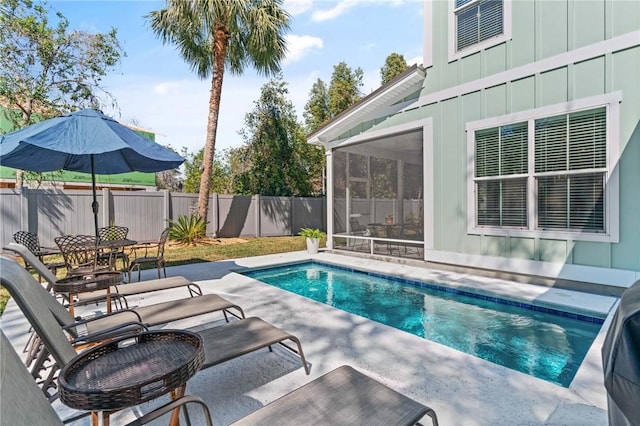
column 479, row 21
column 502, row 202
column 575, row 142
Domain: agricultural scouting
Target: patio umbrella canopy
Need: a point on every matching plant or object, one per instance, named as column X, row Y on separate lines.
column 84, row 141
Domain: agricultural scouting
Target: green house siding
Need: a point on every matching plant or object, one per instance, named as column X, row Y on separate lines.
column 541, row 30
column 560, row 53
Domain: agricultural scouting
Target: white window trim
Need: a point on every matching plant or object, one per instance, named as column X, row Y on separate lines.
column 470, row 50
column 612, row 194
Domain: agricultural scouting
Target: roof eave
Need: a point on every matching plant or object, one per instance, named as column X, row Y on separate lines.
column 384, row 95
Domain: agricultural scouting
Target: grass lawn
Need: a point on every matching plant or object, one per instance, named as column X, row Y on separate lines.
column 218, row 249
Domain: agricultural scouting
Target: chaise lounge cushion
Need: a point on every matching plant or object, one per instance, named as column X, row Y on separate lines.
column 343, row 396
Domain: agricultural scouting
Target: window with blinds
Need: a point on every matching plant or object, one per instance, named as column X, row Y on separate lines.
column 570, row 170
column 569, row 173
column 501, row 176
column 477, row 20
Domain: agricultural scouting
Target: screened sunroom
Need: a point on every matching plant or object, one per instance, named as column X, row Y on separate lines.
column 377, row 196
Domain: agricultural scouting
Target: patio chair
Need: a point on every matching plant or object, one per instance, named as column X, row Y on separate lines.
column 50, row 321
column 153, row 255
column 22, row 403
column 81, row 254
column 31, row 241
column 118, row 292
column 358, row 230
column 110, row 233
column 343, row 396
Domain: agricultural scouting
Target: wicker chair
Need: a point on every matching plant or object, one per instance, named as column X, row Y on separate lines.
column 150, row 254
column 31, row 241
column 112, row 233
column 81, row 254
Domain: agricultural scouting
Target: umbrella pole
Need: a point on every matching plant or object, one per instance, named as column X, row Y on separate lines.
column 94, row 204
column 94, row 207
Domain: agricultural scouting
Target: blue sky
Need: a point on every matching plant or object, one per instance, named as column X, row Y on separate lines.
column 155, row 88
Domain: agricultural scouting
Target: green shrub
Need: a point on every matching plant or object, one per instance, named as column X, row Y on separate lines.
column 188, row 229
column 311, row 233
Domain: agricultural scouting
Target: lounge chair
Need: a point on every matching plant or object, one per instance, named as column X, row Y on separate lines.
column 149, row 315
column 25, row 404
column 120, row 291
column 343, row 396
column 22, row 403
column 49, row 317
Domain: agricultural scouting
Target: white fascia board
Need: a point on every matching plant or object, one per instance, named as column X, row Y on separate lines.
column 370, row 107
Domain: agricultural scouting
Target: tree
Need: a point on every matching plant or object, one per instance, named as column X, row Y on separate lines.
column 394, row 65
column 45, row 69
column 344, row 88
column 316, row 110
column 277, row 155
column 169, row 179
column 221, row 180
column 212, row 35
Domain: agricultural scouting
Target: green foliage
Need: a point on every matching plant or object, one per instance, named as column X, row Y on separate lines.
column 316, row 110
column 214, row 35
column 187, row 229
column 45, row 69
column 222, row 178
column 311, row 233
column 277, row 160
column 344, row 89
column 394, row 65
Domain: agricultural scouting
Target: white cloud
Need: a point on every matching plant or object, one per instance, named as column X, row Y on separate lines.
column 300, row 46
column 297, row 7
column 332, row 13
column 342, row 6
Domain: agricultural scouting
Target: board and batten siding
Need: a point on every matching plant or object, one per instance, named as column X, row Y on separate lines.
column 559, row 52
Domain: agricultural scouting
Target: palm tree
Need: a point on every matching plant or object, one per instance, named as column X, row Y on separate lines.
column 212, row 35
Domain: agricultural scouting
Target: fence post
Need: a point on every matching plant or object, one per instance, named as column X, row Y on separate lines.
column 215, row 217
column 291, row 213
column 24, row 209
column 258, row 214
column 166, row 208
column 107, row 218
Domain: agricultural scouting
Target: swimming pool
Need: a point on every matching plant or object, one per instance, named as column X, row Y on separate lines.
column 546, row 343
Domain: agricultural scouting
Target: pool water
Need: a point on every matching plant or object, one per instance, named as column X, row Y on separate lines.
column 544, row 343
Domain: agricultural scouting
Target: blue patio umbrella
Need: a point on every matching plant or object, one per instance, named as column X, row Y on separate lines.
column 84, row 141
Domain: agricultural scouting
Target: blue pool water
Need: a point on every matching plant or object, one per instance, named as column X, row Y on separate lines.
column 541, row 342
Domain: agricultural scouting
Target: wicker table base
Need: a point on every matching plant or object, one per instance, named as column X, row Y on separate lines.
column 73, row 285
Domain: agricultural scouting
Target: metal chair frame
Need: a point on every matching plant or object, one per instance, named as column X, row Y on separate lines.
column 147, row 258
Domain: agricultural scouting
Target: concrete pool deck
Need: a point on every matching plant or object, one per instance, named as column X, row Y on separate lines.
column 462, row 389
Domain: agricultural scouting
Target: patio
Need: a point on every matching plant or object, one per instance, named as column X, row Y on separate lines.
column 462, row 389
